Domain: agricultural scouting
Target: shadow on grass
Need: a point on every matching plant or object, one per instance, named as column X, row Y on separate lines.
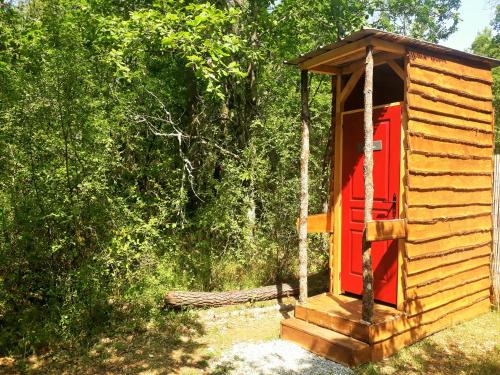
column 173, row 342
column 427, row 357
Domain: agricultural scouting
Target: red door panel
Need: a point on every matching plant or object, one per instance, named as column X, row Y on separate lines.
column 386, row 167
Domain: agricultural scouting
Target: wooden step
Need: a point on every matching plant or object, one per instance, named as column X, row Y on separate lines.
column 324, row 342
column 339, row 323
column 343, row 314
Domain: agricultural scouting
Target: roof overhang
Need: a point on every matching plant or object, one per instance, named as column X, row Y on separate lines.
column 336, row 58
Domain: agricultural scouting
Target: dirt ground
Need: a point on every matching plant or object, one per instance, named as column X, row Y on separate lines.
column 187, row 342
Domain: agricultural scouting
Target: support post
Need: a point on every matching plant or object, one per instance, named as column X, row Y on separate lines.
column 336, row 197
column 304, row 185
column 367, row 310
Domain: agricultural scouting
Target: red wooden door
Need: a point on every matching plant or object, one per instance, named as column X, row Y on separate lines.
column 386, row 171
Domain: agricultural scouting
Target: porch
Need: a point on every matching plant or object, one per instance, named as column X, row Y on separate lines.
column 332, row 327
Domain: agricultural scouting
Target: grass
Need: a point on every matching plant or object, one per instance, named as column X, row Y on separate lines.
column 184, row 343
column 472, row 347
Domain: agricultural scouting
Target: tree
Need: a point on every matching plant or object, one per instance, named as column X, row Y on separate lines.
column 153, row 144
column 487, row 43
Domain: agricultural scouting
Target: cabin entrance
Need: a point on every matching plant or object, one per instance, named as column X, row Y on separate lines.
column 386, row 173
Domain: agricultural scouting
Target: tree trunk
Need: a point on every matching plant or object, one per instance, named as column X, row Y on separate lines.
column 367, row 312
column 304, row 181
column 319, row 283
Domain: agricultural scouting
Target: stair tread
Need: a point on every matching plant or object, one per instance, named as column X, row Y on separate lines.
column 349, row 308
column 326, row 334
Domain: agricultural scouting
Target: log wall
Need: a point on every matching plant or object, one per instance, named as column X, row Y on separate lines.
column 495, row 264
column 448, row 185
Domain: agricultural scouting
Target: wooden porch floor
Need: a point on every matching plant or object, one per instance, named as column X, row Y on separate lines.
column 331, row 326
column 350, row 308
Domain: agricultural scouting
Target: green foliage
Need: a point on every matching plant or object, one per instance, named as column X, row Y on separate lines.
column 147, row 145
column 487, row 43
column 430, row 20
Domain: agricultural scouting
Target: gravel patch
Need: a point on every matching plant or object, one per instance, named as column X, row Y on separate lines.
column 274, row 357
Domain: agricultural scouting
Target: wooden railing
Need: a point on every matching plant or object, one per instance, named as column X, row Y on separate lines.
column 376, row 230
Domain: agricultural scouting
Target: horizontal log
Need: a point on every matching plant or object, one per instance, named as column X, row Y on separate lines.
column 435, row 105
column 473, row 137
column 403, row 332
column 436, row 78
column 424, row 172
column 445, row 96
column 479, row 289
column 444, row 164
column 428, row 261
column 431, row 213
column 418, row 181
column 442, row 229
column 477, row 266
column 446, row 255
column 446, row 271
column 449, row 155
column 441, row 82
column 460, row 216
column 451, row 68
column 441, row 197
column 436, row 245
column 452, row 313
column 318, row 283
column 380, row 230
column 461, row 278
column 441, row 236
column 451, row 140
column 450, row 188
column 450, row 286
column 424, row 115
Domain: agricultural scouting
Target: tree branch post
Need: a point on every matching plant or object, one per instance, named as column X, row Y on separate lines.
column 304, row 185
column 367, row 310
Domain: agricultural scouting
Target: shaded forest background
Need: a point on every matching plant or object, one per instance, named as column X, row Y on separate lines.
column 148, row 145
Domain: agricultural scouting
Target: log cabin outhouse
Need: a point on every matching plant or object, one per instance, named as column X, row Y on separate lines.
column 412, row 126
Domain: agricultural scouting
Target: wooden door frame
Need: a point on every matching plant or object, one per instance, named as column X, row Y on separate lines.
column 336, row 199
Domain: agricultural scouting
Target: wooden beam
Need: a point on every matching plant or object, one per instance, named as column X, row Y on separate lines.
column 355, row 56
column 378, row 59
column 341, row 52
column 326, row 69
column 318, row 223
column 350, row 84
column 397, row 69
column 335, row 54
column 368, row 294
column 304, row 183
column 380, row 230
column 383, row 45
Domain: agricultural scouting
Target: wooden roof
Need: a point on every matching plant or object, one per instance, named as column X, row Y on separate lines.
column 331, row 58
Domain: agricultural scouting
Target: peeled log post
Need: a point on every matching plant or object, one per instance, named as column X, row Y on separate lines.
column 367, row 310
column 304, row 182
